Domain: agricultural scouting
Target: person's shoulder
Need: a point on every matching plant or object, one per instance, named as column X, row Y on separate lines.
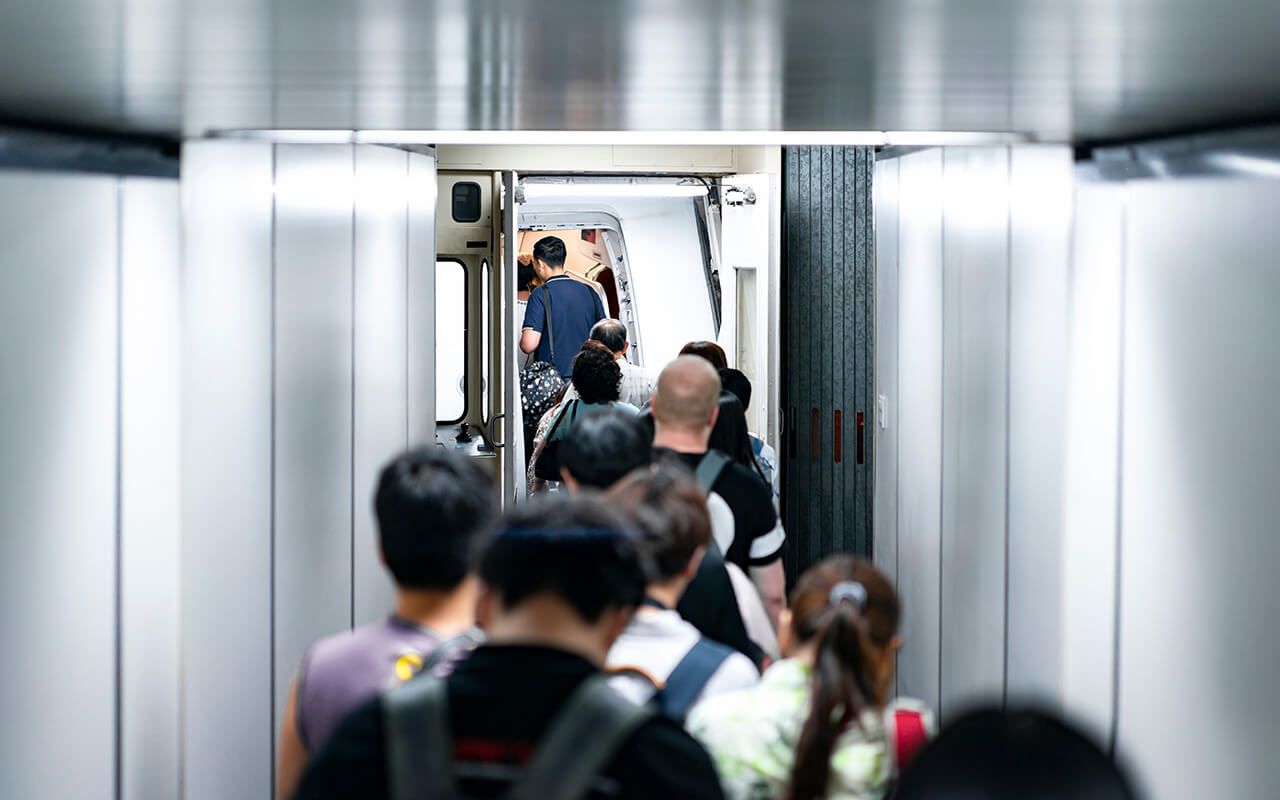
column 737, row 672
column 745, row 484
column 624, row 406
column 338, row 648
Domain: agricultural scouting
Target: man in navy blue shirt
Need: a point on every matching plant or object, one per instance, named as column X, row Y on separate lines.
column 574, row 309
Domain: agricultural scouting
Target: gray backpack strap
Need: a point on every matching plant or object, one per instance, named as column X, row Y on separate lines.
column 415, row 722
column 449, row 647
column 709, row 469
column 581, row 741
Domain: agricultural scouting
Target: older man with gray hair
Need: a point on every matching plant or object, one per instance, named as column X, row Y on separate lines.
column 637, row 384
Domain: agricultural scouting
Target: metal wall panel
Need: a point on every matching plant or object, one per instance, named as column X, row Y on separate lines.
column 1090, row 467
column 314, row 212
column 1040, row 195
column 920, row 421
column 829, row 363
column 227, row 470
column 974, row 417
column 421, row 311
column 1200, row 509
column 150, row 489
column 381, row 415
column 885, row 429
column 857, row 278
column 58, row 341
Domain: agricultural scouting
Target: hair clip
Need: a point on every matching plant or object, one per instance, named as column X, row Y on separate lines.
column 852, row 591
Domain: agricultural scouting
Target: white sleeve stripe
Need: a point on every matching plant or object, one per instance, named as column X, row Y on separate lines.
column 768, row 544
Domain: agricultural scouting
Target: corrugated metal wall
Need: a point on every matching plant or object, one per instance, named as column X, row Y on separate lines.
column 828, row 320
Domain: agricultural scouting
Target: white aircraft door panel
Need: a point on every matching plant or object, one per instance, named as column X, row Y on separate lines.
column 746, row 246
column 513, row 455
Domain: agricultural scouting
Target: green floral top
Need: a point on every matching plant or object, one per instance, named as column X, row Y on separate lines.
column 752, row 734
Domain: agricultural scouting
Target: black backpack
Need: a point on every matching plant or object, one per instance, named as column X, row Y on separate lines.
column 580, row 742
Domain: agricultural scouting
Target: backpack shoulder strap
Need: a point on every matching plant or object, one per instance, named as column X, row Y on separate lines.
column 581, row 741
column 709, row 469
column 415, row 720
column 448, row 647
column 690, row 677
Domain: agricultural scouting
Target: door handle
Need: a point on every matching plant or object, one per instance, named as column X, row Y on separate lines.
column 494, row 439
column 860, row 428
column 838, row 439
column 813, row 434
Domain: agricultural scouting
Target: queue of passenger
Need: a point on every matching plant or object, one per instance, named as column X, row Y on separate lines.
column 605, row 641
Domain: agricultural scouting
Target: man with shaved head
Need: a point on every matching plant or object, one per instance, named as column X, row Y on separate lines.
column 637, row 384
column 684, row 410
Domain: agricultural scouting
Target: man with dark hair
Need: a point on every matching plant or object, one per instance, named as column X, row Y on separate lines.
column 637, row 384
column 766, row 458
column 562, row 308
column 660, row 655
column 685, row 408
column 531, row 707
column 601, row 448
column 431, row 506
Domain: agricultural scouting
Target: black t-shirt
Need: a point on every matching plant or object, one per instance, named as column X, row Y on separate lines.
column 501, row 700
column 758, row 539
column 710, row 605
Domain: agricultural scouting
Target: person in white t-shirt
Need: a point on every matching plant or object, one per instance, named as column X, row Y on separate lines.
column 660, row 656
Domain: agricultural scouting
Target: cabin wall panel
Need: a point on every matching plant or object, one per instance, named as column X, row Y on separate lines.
column 380, row 401
column 313, row 255
column 1040, row 219
column 885, row 430
column 307, row 364
column 59, row 318
column 920, row 353
column 1199, row 506
column 975, row 286
column 150, row 488
column 227, row 457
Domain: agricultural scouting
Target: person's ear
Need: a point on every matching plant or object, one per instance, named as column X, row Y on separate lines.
column 570, row 482
column 715, row 415
column 695, row 561
column 625, row 347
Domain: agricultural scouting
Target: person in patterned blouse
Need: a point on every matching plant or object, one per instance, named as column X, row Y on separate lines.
column 820, row 724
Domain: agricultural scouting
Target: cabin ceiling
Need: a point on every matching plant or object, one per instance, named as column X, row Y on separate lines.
column 1058, row 70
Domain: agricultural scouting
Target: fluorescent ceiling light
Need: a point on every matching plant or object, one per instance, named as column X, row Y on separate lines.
column 593, row 189
column 638, row 138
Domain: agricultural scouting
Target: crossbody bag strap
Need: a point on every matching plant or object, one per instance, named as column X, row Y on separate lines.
column 571, row 405
column 551, row 331
column 580, row 743
column 415, row 720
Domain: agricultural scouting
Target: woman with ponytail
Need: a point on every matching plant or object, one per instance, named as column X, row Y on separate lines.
column 820, row 724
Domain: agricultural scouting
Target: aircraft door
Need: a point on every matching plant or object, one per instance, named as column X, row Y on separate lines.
column 507, row 362
column 748, row 267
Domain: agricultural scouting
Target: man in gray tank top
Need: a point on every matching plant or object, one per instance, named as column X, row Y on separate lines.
column 431, row 506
